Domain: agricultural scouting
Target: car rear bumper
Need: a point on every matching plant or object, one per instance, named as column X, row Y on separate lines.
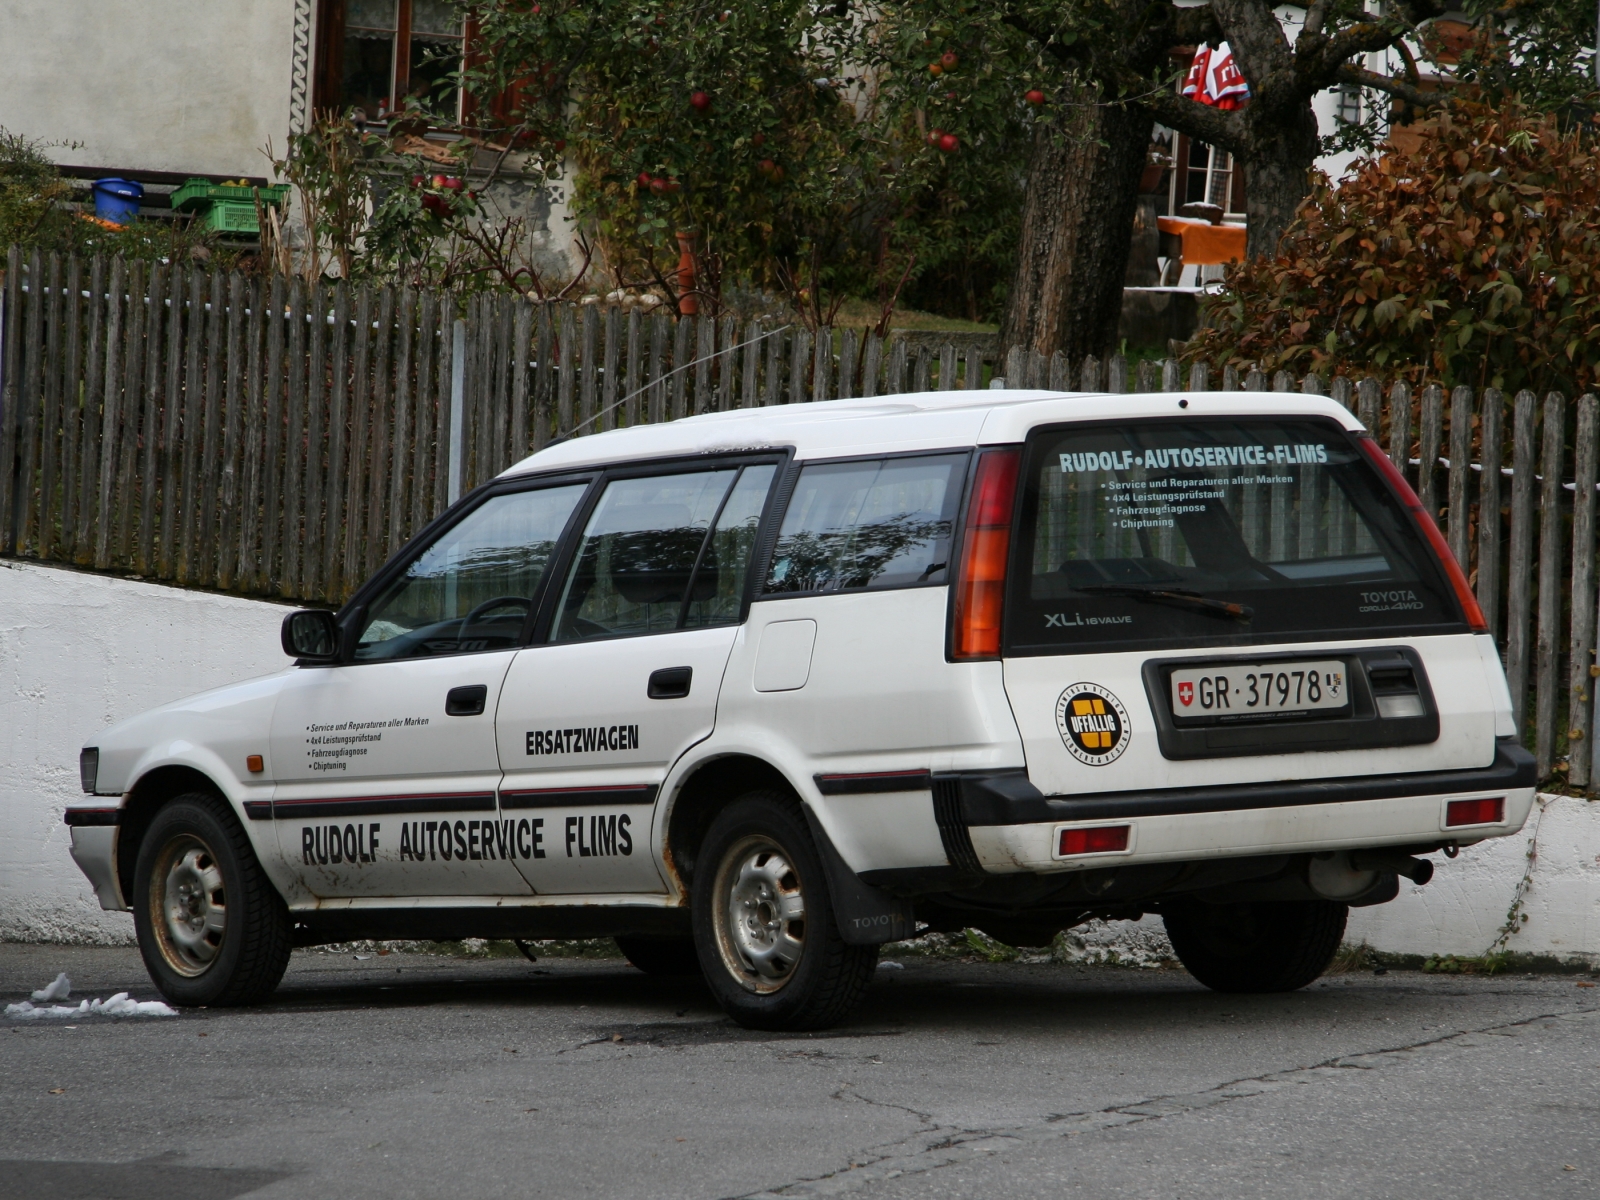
column 1007, row 825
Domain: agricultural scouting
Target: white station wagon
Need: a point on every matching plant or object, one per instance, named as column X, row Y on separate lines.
column 756, row 692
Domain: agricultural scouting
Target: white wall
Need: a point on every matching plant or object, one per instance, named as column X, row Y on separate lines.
column 160, row 85
column 77, row 652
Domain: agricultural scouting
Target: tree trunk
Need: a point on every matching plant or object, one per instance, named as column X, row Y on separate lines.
column 1077, row 226
column 1280, row 150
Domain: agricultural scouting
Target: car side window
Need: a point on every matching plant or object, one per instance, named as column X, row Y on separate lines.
column 633, row 568
column 876, row 524
column 718, row 594
column 472, row 589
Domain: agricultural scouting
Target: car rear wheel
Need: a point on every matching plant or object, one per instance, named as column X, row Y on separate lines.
column 1275, row 946
column 661, row 956
column 212, row 929
column 764, row 927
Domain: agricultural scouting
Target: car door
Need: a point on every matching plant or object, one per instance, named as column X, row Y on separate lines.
column 386, row 765
column 591, row 721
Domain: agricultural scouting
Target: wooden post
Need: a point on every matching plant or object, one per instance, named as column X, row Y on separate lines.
column 401, row 455
column 127, row 435
column 231, row 495
column 1311, row 385
column 1016, row 367
column 567, row 365
column 290, row 582
column 1199, row 376
column 73, row 383
column 704, row 359
column 1230, row 378
column 1519, row 589
column 774, row 369
column 1492, row 452
column 1117, row 374
column 1580, row 655
column 972, row 381
column 1060, row 373
column 193, row 415
column 871, row 366
column 313, row 580
column 248, row 557
column 608, row 392
column 544, row 379
column 1432, row 435
column 634, row 382
column 895, row 384
column 589, row 392
column 1459, row 523
column 51, row 428
column 947, row 366
column 1550, row 581
column 360, row 419
column 847, row 364
column 9, row 398
column 33, row 353
column 1400, row 428
column 750, row 395
column 521, row 348
column 920, row 380
column 799, row 366
column 1340, row 390
column 727, row 391
column 111, row 414
column 822, row 365
column 425, row 458
column 657, row 408
column 682, row 352
column 1149, row 376
column 1089, row 379
column 333, row 575
column 272, row 494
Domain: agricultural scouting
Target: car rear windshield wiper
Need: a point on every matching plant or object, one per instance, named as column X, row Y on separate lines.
column 1180, row 597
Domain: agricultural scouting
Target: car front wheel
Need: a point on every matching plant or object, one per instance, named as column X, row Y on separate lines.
column 764, row 927
column 212, row 929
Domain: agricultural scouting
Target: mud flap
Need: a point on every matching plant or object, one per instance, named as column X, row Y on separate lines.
column 867, row 916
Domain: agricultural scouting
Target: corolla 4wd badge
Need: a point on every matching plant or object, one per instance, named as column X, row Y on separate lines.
column 1093, row 724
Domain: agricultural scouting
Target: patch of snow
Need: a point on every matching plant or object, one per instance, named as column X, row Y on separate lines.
column 120, row 1005
column 59, row 990
column 891, row 965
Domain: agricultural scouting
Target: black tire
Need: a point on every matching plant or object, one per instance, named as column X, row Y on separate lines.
column 234, row 945
column 661, row 956
column 1275, row 946
column 808, row 977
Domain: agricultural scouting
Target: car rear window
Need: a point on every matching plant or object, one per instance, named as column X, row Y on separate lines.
column 1201, row 532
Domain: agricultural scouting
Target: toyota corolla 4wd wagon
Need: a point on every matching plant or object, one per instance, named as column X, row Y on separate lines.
column 756, row 692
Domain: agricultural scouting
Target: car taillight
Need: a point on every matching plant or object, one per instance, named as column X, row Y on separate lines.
column 1100, row 839
column 981, row 578
column 1430, row 532
column 1475, row 812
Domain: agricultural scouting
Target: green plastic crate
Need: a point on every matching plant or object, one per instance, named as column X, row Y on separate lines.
column 226, row 209
column 197, row 192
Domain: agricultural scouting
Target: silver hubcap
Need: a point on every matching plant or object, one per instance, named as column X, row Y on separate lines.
column 761, row 926
column 193, row 905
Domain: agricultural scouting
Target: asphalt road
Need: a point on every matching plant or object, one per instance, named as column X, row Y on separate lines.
column 418, row 1076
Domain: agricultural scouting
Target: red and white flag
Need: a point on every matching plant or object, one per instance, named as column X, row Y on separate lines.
column 1215, row 80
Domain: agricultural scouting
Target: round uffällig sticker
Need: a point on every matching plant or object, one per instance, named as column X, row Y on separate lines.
column 1093, row 724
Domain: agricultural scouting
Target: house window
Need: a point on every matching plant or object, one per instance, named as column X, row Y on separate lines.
column 1209, row 178
column 382, row 56
column 1348, row 111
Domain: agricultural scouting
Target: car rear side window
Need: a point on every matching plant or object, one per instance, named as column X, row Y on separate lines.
column 1171, row 533
column 871, row 524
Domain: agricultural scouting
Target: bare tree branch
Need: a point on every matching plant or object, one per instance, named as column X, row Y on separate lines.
column 1393, row 87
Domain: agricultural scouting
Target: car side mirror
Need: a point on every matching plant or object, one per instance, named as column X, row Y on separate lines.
column 311, row 635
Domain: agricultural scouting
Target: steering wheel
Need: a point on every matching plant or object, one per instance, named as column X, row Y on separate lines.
column 498, row 602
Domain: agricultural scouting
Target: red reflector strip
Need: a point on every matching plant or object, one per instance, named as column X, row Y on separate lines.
column 1475, row 812
column 1101, row 839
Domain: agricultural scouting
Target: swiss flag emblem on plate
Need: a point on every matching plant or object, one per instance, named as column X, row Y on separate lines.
column 1185, row 693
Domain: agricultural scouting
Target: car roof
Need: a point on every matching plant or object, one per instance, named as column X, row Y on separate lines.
column 905, row 422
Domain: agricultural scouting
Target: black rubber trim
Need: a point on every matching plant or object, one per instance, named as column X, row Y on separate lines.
column 92, row 816
column 952, row 827
column 873, row 782
column 1008, row 798
column 626, row 793
column 365, row 806
column 258, row 810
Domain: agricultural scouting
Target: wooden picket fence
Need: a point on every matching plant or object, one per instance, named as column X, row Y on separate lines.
column 270, row 438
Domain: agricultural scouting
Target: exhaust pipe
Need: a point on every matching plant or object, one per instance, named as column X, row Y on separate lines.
column 1418, row 870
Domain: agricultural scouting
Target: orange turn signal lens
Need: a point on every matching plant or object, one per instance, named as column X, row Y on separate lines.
column 255, row 763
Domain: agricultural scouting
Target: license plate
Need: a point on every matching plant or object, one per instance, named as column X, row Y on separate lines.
column 1255, row 689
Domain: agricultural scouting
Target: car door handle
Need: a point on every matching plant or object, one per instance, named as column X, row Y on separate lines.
column 466, row 701
column 670, row 683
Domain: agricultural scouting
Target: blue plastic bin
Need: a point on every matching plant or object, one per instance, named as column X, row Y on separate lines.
column 116, row 200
